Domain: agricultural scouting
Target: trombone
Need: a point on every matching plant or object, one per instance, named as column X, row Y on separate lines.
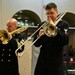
column 49, row 29
column 6, row 35
column 19, row 30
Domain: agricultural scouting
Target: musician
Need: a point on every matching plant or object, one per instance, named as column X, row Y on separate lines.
column 50, row 60
column 8, row 59
column 12, row 25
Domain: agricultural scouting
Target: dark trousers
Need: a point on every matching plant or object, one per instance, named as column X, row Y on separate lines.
column 53, row 70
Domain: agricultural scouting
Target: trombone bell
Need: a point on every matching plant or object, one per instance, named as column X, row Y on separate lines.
column 50, row 30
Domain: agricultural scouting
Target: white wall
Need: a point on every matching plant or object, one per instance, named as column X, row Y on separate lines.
column 26, row 60
column 1, row 27
column 10, row 7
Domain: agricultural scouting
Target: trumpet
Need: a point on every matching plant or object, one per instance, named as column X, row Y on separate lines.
column 49, row 29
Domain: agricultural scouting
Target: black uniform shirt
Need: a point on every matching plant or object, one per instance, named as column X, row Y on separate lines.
column 7, row 52
column 52, row 47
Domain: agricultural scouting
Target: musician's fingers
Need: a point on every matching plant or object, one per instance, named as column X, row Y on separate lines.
column 50, row 21
column 41, row 32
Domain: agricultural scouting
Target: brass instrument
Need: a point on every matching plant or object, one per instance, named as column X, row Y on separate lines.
column 19, row 30
column 5, row 36
column 49, row 29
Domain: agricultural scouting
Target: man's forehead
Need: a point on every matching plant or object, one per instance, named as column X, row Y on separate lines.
column 10, row 24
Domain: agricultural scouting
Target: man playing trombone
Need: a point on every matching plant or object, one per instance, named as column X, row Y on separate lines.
column 52, row 39
column 8, row 58
column 12, row 25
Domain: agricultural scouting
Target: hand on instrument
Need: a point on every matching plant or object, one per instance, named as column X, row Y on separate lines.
column 50, row 21
column 10, row 36
column 41, row 32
